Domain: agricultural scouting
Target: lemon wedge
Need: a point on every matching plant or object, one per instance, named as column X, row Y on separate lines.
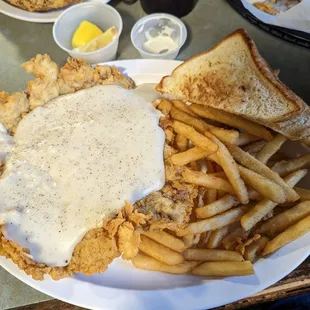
column 85, row 33
column 100, row 41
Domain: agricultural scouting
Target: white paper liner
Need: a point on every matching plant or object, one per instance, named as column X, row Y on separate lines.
column 296, row 18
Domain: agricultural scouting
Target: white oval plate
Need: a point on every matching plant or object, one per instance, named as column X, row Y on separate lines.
column 34, row 17
column 122, row 286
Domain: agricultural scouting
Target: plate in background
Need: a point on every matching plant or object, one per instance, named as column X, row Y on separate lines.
column 35, row 17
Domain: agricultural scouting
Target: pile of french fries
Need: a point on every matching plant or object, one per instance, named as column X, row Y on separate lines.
column 248, row 204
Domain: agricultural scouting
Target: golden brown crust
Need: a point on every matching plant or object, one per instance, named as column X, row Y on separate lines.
column 42, row 5
column 168, row 208
column 50, row 82
column 13, row 108
column 128, row 241
column 94, row 253
column 101, row 246
column 262, row 67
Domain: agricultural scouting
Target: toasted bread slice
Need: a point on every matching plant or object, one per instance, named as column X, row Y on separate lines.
column 234, row 77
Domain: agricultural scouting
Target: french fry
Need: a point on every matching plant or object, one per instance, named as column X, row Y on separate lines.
column 191, row 241
column 245, row 138
column 181, row 143
column 294, row 177
column 206, row 180
column 188, row 240
column 204, row 237
column 231, row 240
column 253, row 195
column 230, row 167
column 165, row 107
column 213, row 157
column 210, row 194
column 287, row 166
column 200, row 146
column 303, row 193
column 225, row 135
column 166, row 239
column 160, row 252
column 197, row 138
column 200, row 197
column 210, row 167
column 216, row 237
column 252, row 163
column 190, row 120
column 254, row 147
column 183, row 107
column 270, row 148
column 142, row 261
column 196, row 240
column 184, row 158
column 212, row 255
column 287, row 204
column 254, row 250
column 169, row 136
column 220, row 174
column 252, row 217
column 202, row 165
column 220, row 194
column 292, row 233
column 262, row 185
column 194, row 166
column 242, row 244
column 279, row 156
column 224, row 269
column 285, row 219
column 218, row 206
column 231, row 120
column 213, row 223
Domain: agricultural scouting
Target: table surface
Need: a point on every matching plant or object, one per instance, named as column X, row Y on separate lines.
column 207, row 24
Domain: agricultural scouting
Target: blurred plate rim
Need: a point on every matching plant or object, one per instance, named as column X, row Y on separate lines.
column 35, row 17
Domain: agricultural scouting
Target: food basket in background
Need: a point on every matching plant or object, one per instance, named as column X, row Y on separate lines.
column 300, row 38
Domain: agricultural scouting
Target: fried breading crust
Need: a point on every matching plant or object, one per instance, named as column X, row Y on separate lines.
column 51, row 82
column 101, row 246
column 169, row 208
column 13, row 108
column 92, row 255
column 42, row 5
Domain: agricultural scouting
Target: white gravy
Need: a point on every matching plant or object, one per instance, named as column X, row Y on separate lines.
column 74, row 162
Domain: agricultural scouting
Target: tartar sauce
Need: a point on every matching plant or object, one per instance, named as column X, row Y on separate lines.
column 74, row 162
column 162, row 42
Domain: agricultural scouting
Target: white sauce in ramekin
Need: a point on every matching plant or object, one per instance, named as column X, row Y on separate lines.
column 74, row 162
